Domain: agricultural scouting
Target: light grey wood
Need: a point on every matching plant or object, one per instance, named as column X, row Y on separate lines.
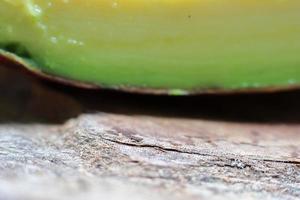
column 139, row 157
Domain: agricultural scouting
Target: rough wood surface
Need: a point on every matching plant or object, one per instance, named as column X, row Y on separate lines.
column 62, row 144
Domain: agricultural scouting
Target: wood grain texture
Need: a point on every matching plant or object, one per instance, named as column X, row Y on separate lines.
column 57, row 143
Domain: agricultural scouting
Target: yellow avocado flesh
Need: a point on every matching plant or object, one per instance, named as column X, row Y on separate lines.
column 177, row 45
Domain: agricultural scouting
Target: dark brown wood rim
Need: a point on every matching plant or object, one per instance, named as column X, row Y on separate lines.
column 11, row 59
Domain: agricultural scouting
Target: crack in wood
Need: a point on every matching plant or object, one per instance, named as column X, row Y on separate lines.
column 194, row 153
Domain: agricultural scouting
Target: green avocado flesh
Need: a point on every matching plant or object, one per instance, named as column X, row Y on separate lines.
column 175, row 45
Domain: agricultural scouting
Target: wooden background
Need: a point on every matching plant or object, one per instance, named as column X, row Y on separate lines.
column 58, row 142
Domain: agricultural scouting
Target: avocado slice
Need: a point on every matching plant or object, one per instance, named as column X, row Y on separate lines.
column 157, row 46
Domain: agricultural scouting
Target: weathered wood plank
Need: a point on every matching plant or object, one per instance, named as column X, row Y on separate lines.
column 184, row 159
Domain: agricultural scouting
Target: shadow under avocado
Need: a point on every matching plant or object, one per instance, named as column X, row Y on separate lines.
column 25, row 99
